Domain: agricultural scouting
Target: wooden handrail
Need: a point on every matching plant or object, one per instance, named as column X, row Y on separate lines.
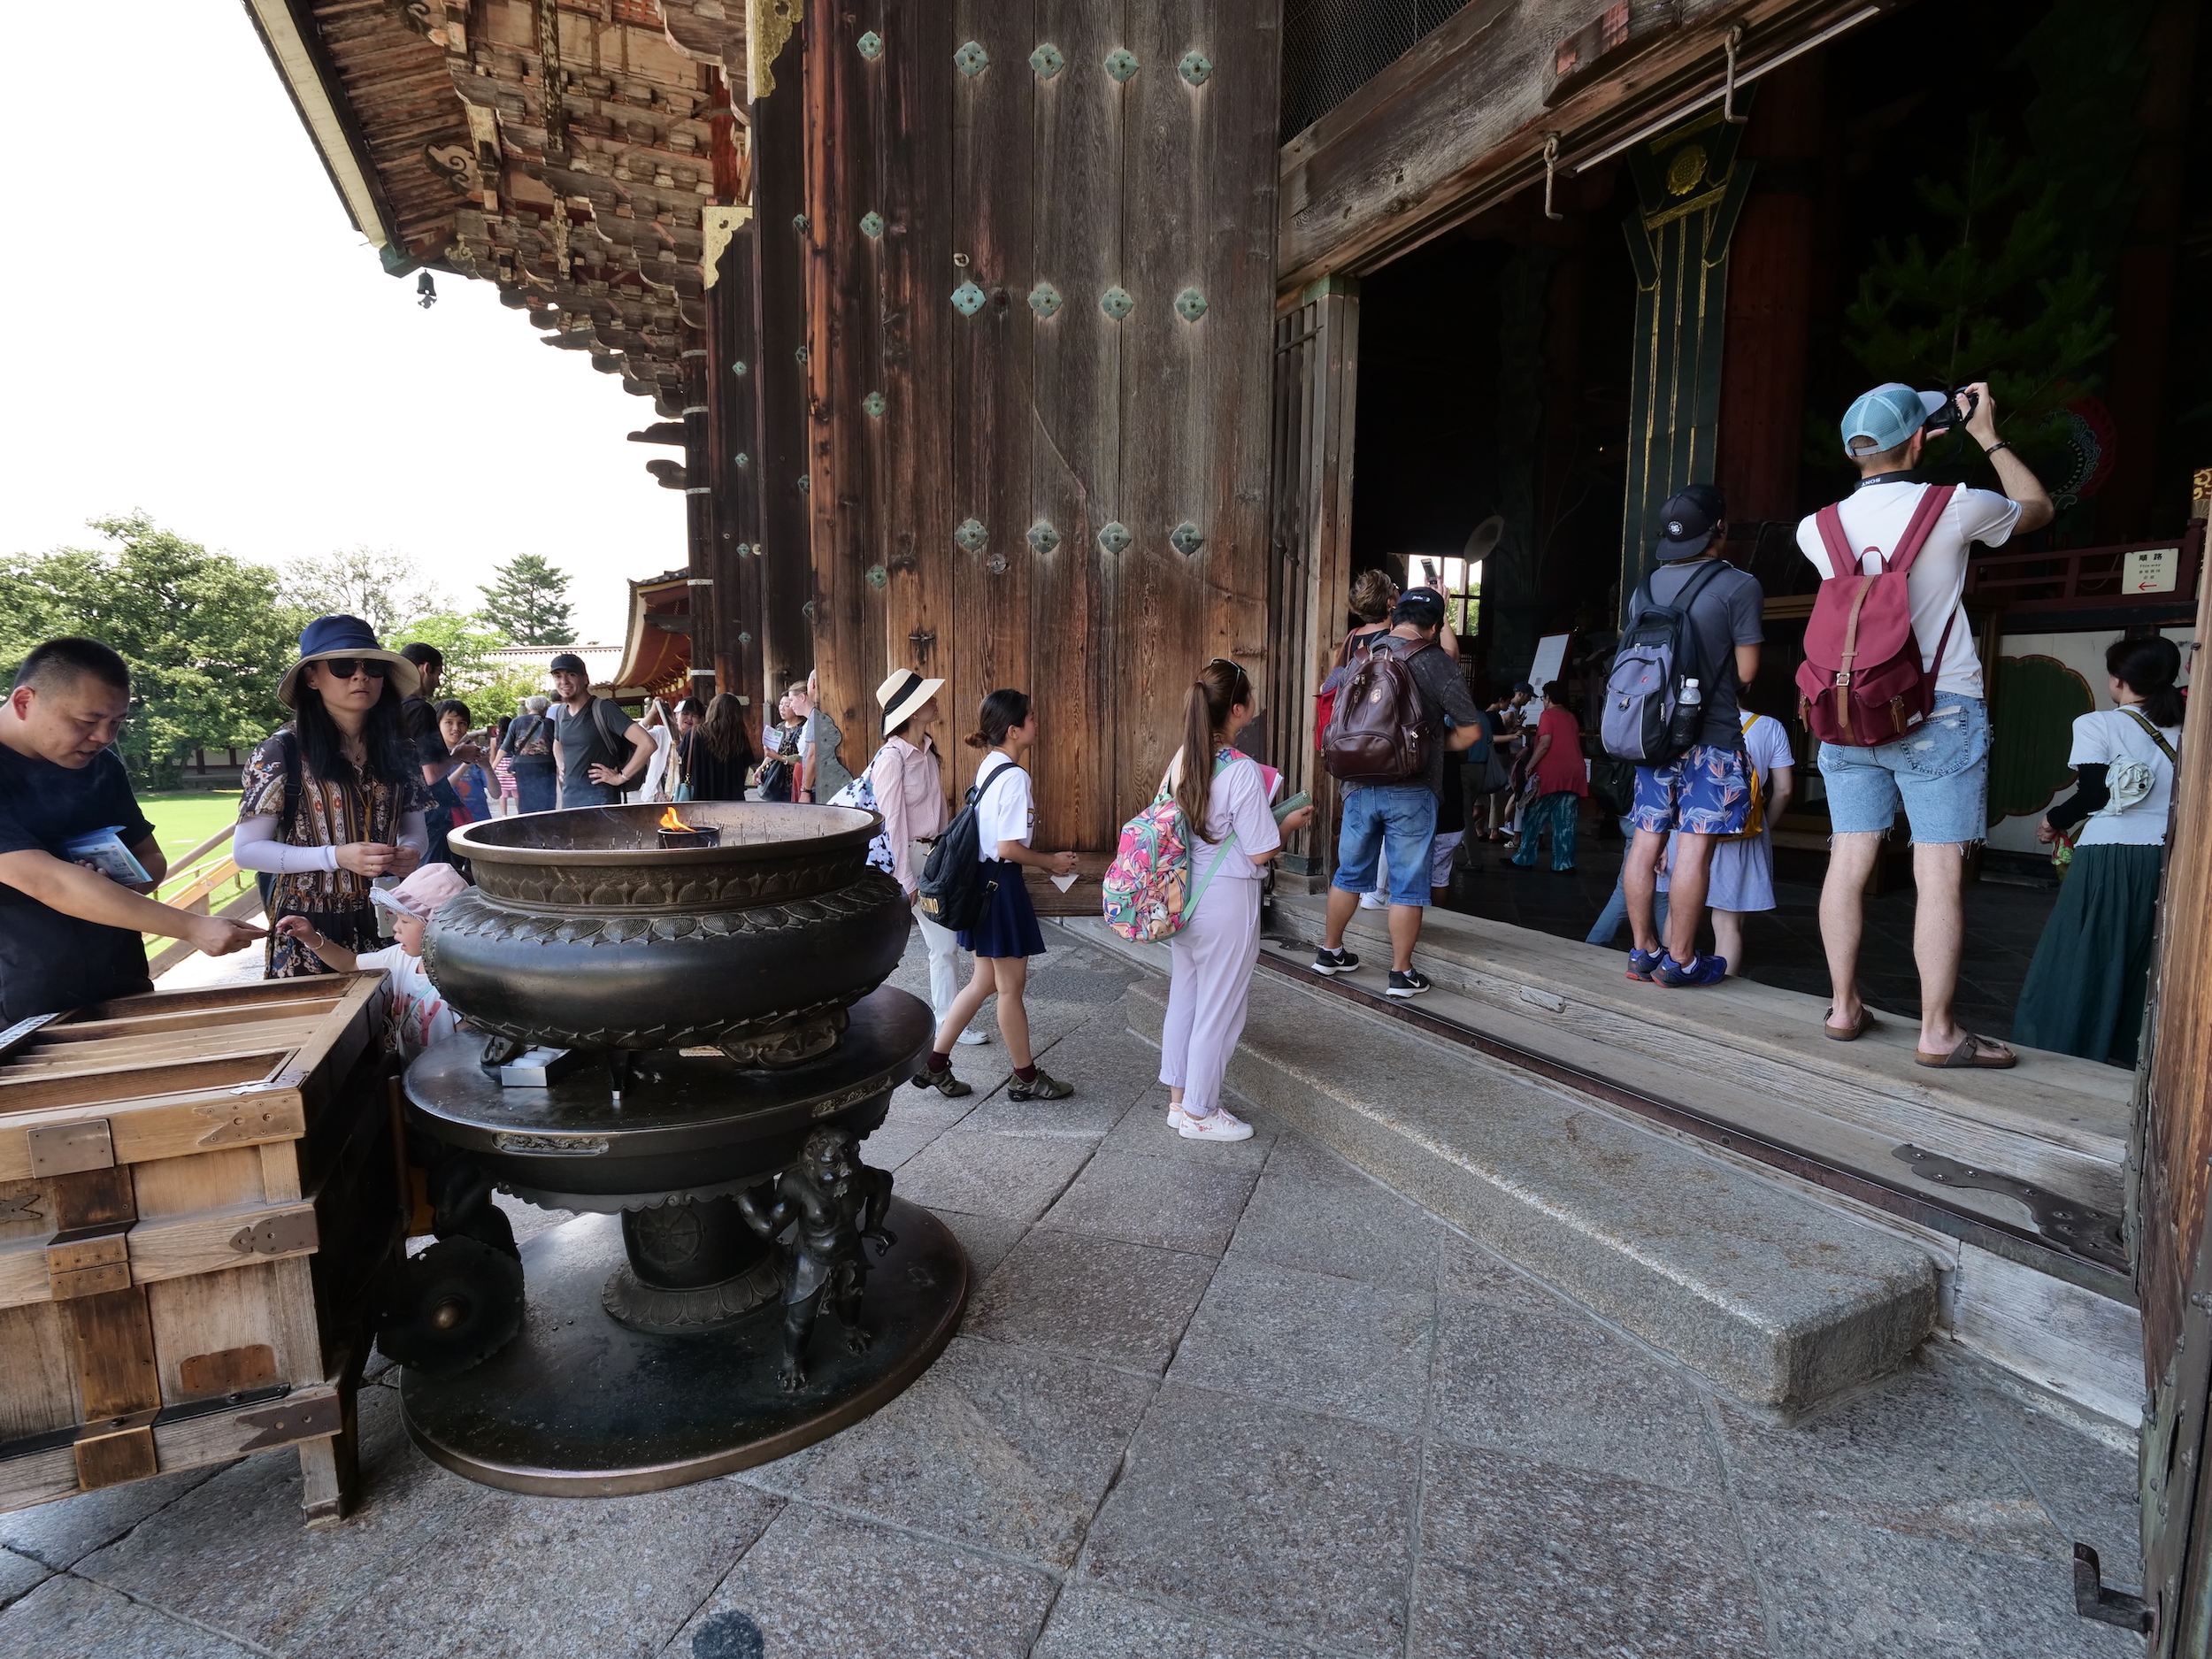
column 202, row 849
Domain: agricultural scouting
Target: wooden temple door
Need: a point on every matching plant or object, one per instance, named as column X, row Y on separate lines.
column 2173, row 1165
column 1310, row 557
column 1040, row 338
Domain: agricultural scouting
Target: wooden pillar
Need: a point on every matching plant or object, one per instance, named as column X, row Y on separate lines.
column 1690, row 188
column 1310, row 572
column 778, row 374
column 1770, row 299
column 732, row 428
column 702, row 543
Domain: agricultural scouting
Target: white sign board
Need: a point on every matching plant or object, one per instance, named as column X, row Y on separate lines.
column 2151, row 570
column 1551, row 656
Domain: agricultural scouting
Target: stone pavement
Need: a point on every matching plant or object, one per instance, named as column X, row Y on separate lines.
column 1210, row 1402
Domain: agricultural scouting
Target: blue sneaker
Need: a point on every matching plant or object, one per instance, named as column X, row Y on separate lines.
column 1700, row 970
column 1642, row 962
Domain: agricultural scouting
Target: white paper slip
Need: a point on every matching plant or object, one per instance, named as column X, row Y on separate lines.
column 1063, row 882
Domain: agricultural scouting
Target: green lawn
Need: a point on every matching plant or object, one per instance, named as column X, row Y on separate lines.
column 185, row 818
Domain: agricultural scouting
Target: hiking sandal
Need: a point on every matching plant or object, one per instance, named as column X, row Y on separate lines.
column 1044, row 1085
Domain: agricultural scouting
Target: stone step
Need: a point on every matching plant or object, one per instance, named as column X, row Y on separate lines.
column 2057, row 1121
column 1780, row 1300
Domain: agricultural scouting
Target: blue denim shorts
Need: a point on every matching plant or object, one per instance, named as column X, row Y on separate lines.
column 1702, row 793
column 1395, row 819
column 1941, row 773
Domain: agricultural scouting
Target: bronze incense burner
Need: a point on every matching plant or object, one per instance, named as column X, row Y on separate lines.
column 720, row 977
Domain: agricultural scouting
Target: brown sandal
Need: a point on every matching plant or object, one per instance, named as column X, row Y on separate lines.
column 1969, row 1053
column 1851, row 1033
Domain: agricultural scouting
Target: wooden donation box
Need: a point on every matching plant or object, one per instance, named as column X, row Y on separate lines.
column 195, row 1190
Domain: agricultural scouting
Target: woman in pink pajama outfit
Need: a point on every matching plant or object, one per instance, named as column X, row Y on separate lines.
column 1233, row 834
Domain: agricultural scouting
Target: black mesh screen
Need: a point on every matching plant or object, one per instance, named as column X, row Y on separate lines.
column 1333, row 48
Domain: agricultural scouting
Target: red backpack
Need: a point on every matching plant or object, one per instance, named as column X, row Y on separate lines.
column 1861, row 684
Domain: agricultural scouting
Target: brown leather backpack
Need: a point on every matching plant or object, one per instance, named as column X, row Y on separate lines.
column 1381, row 730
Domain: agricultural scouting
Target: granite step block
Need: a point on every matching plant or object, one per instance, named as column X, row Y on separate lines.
column 1779, row 1300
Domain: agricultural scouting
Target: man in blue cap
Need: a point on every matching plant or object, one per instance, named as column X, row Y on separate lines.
column 1939, row 773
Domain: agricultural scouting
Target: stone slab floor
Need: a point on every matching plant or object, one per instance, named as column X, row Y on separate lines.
column 1209, row 1403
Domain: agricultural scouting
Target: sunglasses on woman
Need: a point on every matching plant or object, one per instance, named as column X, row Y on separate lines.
column 347, row 667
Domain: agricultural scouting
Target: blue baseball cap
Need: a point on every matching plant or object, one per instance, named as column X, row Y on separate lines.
column 1887, row 416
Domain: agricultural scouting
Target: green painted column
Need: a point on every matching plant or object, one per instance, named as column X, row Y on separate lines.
column 1690, row 188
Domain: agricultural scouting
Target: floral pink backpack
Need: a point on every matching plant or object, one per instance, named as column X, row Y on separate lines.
column 1148, row 887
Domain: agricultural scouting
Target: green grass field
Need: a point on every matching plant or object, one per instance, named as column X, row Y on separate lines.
column 185, row 818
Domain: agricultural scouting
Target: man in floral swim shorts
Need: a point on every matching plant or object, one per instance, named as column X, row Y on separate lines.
column 1703, row 793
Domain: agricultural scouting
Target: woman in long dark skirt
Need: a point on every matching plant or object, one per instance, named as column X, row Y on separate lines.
column 2085, row 990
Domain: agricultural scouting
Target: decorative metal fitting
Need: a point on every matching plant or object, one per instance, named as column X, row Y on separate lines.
column 1734, row 38
column 972, row 59
column 807, row 610
column 1047, row 61
column 878, row 576
column 806, row 484
column 738, row 368
column 744, row 550
column 1042, row 537
column 871, row 224
column 1551, row 166
column 1184, row 539
column 798, row 223
column 741, row 458
column 744, row 639
column 996, row 564
column 1044, row 299
column 870, row 45
column 1114, row 538
column 801, row 354
column 1121, row 63
column 967, row 299
column 873, row 405
column 1115, row 302
column 972, row 534
column 1190, row 305
column 1196, row 67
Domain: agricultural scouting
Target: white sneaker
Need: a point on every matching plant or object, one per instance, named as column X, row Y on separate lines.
column 1373, row 901
column 972, row 1036
column 1221, row 1124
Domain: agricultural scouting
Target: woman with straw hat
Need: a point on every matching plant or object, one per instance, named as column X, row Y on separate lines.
column 905, row 783
column 335, row 799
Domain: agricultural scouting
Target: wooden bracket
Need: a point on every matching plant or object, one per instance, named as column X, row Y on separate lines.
column 116, row 1450
column 85, row 1263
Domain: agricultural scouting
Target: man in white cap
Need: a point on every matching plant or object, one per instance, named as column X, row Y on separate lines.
column 1940, row 773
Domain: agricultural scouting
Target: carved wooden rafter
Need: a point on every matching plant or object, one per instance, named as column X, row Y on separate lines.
column 583, row 203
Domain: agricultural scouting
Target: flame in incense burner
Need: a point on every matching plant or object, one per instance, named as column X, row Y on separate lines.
column 670, row 821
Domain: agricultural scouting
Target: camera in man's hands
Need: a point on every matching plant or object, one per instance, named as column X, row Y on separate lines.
column 1952, row 416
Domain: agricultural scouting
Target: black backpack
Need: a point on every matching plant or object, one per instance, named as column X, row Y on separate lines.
column 952, row 889
column 1644, row 721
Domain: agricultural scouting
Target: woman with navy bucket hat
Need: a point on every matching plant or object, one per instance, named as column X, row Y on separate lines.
column 335, row 799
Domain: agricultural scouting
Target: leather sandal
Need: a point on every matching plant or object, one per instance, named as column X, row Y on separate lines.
column 1850, row 1033
column 1972, row 1051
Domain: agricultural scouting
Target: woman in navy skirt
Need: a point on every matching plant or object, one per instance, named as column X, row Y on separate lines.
column 1005, row 936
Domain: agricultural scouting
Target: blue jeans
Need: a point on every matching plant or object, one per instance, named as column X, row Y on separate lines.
column 1395, row 818
column 1610, row 919
column 1939, row 773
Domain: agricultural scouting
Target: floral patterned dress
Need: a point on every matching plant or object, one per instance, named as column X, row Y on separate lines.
column 330, row 814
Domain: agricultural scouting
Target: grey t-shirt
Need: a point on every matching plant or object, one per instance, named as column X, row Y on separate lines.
column 1445, row 694
column 1727, row 613
column 584, row 744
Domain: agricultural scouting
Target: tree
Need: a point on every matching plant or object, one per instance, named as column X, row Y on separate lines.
column 380, row 586
column 207, row 636
column 529, row 602
column 2003, row 302
column 490, row 688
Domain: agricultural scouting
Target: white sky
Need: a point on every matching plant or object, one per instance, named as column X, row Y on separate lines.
column 198, row 331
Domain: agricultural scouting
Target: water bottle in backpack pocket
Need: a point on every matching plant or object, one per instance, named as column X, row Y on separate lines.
column 1644, row 722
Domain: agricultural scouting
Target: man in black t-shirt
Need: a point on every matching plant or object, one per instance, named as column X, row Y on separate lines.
column 419, row 718
column 69, row 935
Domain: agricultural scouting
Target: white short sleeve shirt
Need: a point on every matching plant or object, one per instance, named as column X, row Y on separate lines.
column 419, row 1015
column 1237, row 802
column 1008, row 812
column 2107, row 735
column 1874, row 520
column 1768, row 743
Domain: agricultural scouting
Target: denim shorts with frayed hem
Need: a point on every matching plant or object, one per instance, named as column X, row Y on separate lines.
column 1396, row 821
column 1939, row 774
column 1703, row 792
